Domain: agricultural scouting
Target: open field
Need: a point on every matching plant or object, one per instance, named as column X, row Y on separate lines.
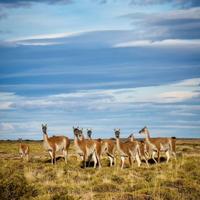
column 39, row 180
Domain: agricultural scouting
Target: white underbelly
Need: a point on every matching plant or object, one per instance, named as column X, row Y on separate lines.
column 20, row 151
column 59, row 147
column 121, row 152
column 89, row 151
column 47, row 146
column 164, row 147
column 79, row 151
column 152, row 147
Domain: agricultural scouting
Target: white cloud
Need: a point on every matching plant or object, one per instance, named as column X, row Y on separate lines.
column 44, row 36
column 163, row 43
column 107, row 98
column 5, row 105
column 67, row 85
column 6, row 100
column 178, row 95
column 189, row 82
column 4, row 126
column 38, row 43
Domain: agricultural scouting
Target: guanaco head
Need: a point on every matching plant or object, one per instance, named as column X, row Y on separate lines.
column 131, row 137
column 89, row 133
column 117, row 132
column 76, row 131
column 44, row 128
column 80, row 134
column 143, row 130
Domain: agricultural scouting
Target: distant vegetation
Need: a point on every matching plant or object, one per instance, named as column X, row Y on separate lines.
column 39, row 180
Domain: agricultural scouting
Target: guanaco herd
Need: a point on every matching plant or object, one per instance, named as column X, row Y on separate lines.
column 92, row 149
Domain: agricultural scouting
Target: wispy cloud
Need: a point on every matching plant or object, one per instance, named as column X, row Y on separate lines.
column 107, row 99
column 41, row 37
column 24, row 3
column 176, row 24
column 6, row 127
column 179, row 3
column 80, row 39
column 163, row 43
column 76, row 86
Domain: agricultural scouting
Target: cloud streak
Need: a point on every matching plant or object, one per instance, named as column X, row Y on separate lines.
column 163, row 43
column 25, row 3
column 179, row 3
column 176, row 24
column 106, row 99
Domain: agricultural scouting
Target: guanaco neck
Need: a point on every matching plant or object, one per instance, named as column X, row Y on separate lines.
column 89, row 137
column 147, row 136
column 82, row 139
column 76, row 140
column 118, row 143
column 45, row 136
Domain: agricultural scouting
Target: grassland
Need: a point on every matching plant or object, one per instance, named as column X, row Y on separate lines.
column 39, row 180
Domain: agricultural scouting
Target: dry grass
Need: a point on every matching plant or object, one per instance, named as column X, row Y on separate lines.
column 39, row 180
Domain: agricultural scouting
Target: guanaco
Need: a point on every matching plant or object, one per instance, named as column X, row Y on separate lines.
column 157, row 145
column 23, row 150
column 54, row 144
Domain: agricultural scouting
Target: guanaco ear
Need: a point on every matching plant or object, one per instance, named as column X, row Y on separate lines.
column 119, row 129
column 115, row 129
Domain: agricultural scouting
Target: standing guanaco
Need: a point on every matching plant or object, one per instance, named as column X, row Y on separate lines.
column 23, row 150
column 157, row 145
column 128, row 149
column 54, row 144
column 86, row 148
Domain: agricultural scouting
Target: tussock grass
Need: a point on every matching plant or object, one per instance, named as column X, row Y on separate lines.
column 39, row 180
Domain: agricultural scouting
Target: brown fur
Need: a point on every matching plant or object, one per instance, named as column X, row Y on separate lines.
column 24, row 150
column 55, row 143
column 88, row 147
column 128, row 149
column 109, row 147
column 173, row 140
column 143, row 148
column 104, row 146
column 144, row 151
column 156, row 144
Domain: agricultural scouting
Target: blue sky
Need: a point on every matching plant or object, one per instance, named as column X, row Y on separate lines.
column 99, row 64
